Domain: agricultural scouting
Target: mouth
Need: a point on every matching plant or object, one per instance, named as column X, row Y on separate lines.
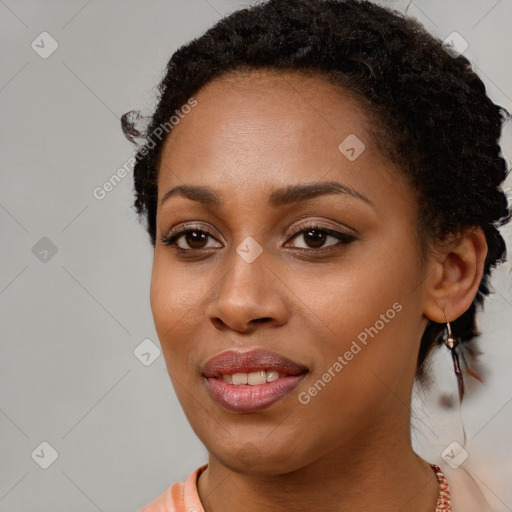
column 251, row 381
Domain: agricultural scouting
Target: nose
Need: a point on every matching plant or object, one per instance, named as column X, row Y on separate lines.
column 247, row 295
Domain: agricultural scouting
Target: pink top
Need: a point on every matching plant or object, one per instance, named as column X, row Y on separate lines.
column 179, row 497
column 183, row 496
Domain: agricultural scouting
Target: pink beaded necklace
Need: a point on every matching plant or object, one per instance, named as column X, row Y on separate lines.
column 443, row 502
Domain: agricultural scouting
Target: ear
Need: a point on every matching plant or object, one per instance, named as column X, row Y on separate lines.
column 456, row 270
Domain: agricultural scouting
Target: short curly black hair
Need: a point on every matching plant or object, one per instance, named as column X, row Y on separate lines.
column 435, row 120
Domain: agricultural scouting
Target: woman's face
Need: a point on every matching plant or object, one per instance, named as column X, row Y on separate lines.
column 344, row 302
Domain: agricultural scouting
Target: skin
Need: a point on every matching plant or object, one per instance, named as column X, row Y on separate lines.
column 349, row 448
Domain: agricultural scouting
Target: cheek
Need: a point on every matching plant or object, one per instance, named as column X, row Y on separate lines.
column 348, row 298
column 175, row 293
column 178, row 298
column 167, row 306
column 364, row 311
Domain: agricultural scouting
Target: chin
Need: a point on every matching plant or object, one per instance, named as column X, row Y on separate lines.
column 262, row 458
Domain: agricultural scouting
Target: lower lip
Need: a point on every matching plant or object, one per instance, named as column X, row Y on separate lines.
column 247, row 398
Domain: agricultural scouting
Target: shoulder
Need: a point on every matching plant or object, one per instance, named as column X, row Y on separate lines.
column 178, row 497
column 466, row 493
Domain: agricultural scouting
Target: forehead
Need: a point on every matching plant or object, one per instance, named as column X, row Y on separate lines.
column 264, row 121
column 285, row 103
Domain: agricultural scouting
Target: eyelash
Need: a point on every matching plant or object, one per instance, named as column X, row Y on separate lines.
column 344, row 238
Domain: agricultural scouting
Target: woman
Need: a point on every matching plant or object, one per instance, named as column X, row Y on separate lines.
column 321, row 186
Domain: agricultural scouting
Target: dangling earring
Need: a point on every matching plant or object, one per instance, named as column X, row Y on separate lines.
column 452, row 343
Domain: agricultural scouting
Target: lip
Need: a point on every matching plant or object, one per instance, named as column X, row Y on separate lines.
column 233, row 361
column 247, row 398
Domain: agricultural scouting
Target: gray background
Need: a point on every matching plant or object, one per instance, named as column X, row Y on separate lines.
column 71, row 319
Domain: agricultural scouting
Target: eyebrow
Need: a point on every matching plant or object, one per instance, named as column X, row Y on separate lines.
column 280, row 197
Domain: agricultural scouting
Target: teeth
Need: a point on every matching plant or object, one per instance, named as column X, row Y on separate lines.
column 239, row 378
column 272, row 375
column 257, row 378
column 253, row 378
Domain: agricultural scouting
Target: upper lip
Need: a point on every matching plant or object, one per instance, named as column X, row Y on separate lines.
column 233, row 361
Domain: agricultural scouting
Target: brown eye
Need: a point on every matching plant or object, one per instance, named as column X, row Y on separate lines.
column 196, row 239
column 315, row 237
column 189, row 239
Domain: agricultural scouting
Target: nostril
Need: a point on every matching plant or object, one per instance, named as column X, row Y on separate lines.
column 264, row 319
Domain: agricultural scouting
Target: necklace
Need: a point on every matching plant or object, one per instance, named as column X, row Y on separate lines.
column 443, row 501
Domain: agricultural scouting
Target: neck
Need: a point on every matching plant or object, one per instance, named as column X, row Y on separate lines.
column 377, row 472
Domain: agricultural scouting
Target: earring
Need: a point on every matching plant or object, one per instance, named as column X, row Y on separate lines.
column 452, row 343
